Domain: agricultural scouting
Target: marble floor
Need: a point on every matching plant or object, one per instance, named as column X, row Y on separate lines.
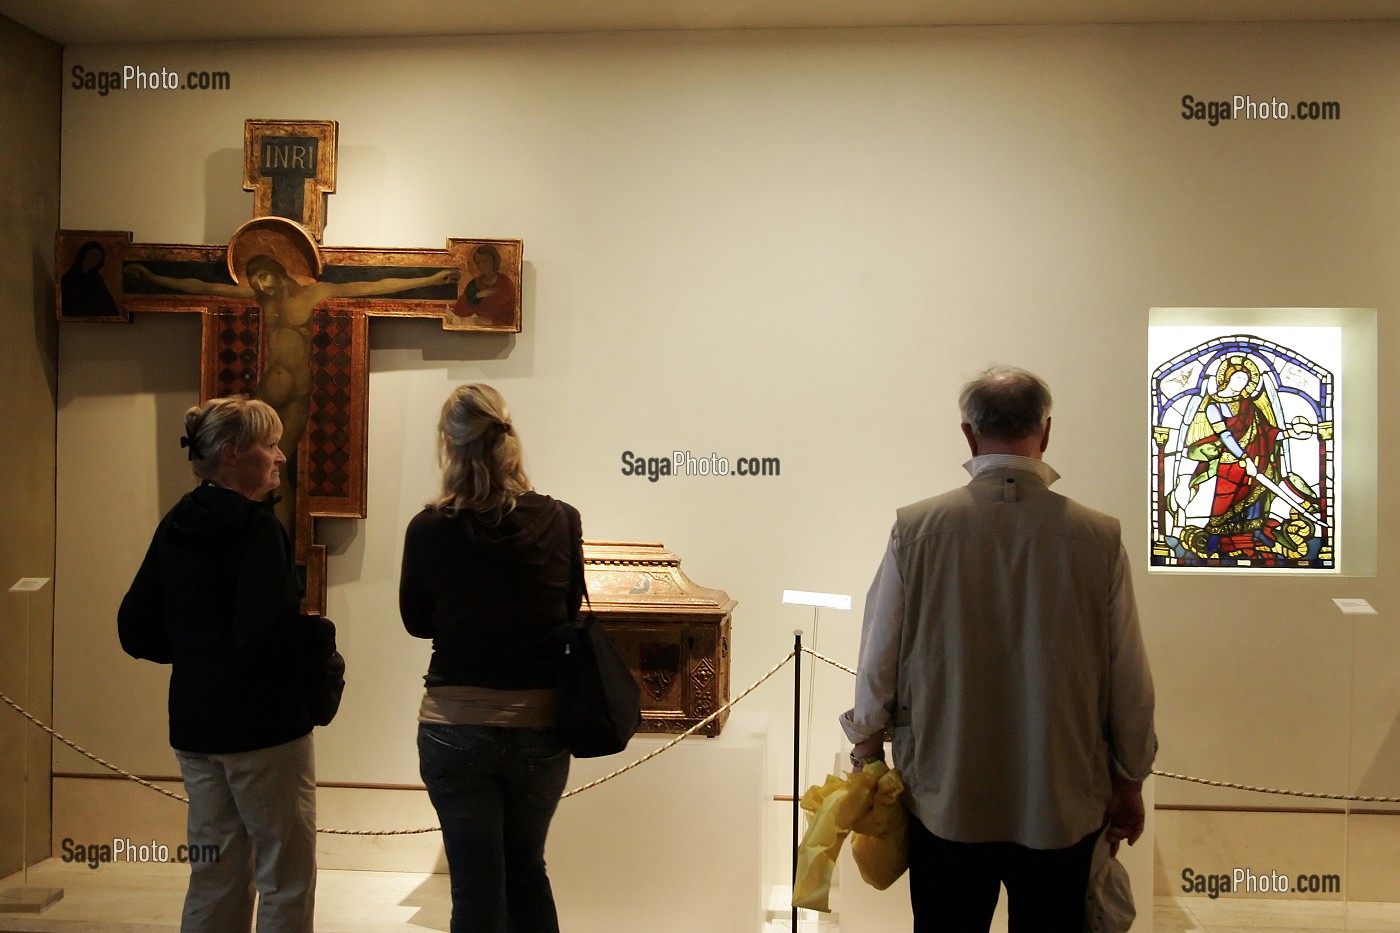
column 1249, row 915
column 146, row 899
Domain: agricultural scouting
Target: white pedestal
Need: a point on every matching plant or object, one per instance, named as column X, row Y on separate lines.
column 674, row 845
column 27, row 899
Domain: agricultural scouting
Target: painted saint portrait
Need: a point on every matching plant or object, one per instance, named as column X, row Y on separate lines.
column 90, row 283
column 490, row 299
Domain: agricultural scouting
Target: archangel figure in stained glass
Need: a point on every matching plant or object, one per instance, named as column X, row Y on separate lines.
column 1242, row 459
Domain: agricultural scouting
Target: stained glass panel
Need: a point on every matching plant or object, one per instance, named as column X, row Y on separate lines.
column 1242, row 455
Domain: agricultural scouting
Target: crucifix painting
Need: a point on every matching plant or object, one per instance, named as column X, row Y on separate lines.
column 286, row 319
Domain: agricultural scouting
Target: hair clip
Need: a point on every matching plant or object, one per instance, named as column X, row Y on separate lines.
column 189, row 441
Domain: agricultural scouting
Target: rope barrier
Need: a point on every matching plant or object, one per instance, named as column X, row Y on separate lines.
column 665, row 748
column 1199, row 780
column 676, row 741
column 427, row 829
column 1355, row 798
column 607, row 777
column 87, row 754
column 836, row 664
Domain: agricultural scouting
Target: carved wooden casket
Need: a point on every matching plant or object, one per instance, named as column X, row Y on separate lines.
column 673, row 634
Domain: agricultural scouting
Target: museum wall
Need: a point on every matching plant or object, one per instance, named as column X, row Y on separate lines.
column 792, row 245
column 29, row 123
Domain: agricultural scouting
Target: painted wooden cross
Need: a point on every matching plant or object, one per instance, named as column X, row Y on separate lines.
column 286, row 320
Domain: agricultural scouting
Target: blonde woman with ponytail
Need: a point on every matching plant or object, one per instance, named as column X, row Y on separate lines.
column 488, row 576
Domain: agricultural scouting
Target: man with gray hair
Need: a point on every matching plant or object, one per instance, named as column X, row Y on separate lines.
column 1001, row 643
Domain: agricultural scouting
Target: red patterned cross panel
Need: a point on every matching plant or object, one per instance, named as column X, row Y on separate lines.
column 231, row 351
column 335, row 443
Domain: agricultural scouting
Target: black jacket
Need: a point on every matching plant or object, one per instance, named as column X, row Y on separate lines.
column 492, row 592
column 217, row 597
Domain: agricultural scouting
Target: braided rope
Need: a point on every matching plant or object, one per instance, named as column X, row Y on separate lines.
column 836, row 664
column 87, row 754
column 427, row 829
column 699, row 725
column 1355, row 798
column 607, row 777
column 379, row 832
column 1270, row 790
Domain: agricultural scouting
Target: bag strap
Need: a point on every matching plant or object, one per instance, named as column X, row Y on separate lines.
column 578, row 582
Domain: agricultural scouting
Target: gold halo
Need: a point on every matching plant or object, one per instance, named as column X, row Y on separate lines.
column 1251, row 388
column 278, row 238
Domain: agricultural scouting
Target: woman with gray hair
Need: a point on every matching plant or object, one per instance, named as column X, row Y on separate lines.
column 217, row 598
column 489, row 575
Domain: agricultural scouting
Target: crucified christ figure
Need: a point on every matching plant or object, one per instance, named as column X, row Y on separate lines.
column 286, row 306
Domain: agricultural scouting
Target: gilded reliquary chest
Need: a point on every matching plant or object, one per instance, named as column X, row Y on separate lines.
column 673, row 633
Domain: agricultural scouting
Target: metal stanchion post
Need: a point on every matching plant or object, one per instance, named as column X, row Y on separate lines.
column 796, row 760
column 801, row 762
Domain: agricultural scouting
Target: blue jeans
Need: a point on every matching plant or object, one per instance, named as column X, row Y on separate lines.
column 495, row 790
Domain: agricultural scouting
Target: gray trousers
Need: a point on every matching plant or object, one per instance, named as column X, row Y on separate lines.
column 259, row 809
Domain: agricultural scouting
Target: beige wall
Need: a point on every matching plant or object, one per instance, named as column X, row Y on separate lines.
column 774, row 244
column 29, row 124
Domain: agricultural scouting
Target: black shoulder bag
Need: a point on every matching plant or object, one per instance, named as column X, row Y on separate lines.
column 600, row 702
column 322, row 675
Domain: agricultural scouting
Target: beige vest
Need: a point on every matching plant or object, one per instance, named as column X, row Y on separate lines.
column 1001, row 711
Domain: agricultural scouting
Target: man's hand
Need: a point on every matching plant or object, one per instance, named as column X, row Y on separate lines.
column 1126, row 814
column 873, row 747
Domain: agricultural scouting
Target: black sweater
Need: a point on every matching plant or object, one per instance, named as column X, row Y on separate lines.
column 492, row 591
column 217, row 597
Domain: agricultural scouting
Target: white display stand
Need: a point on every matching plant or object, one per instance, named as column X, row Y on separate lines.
column 26, row 899
column 675, row 844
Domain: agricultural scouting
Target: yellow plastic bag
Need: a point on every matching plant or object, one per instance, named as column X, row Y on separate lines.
column 821, row 844
column 879, row 824
column 867, row 803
